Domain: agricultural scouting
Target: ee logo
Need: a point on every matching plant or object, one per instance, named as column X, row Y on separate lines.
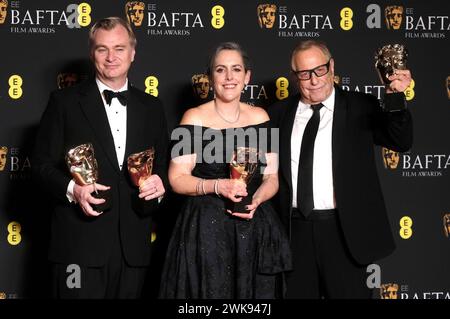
column 84, row 11
column 409, row 92
column 15, row 86
column 217, row 20
column 405, row 227
column 346, row 18
column 14, row 237
column 282, row 85
column 151, row 85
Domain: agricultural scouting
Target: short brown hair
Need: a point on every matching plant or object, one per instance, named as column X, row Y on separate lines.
column 109, row 24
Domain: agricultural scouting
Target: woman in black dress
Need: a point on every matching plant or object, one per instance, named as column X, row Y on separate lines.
column 215, row 252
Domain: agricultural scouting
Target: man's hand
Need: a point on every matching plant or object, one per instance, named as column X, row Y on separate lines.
column 84, row 198
column 151, row 188
column 400, row 80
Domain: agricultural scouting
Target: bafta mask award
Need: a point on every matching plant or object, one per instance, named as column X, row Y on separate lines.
column 140, row 166
column 389, row 58
column 83, row 167
column 243, row 167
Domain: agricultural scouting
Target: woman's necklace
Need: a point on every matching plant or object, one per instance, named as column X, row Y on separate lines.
column 223, row 118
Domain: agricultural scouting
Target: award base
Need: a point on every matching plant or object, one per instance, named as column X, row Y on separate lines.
column 141, row 206
column 106, row 195
column 239, row 207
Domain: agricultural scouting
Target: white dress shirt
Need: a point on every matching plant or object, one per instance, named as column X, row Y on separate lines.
column 323, row 191
column 117, row 118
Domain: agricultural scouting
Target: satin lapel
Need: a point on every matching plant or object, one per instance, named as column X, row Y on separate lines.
column 285, row 139
column 134, row 133
column 339, row 126
column 92, row 107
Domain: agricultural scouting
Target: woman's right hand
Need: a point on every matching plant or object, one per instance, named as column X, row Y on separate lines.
column 230, row 188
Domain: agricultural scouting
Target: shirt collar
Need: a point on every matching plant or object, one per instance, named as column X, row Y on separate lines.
column 102, row 86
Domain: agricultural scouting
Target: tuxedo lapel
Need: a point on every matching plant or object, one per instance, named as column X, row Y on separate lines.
column 92, row 106
column 286, row 126
column 339, row 126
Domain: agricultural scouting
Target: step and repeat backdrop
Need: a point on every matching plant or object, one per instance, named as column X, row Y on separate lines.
column 44, row 48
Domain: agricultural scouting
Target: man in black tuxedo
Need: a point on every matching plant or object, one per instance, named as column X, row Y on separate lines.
column 109, row 250
column 330, row 198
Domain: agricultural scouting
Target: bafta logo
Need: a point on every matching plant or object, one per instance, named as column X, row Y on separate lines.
column 389, row 58
column 266, row 15
column 134, row 10
column 3, row 153
column 389, row 291
column 446, row 221
column 64, row 80
column 390, row 158
column 394, row 17
column 447, row 85
column 3, row 12
column 200, row 85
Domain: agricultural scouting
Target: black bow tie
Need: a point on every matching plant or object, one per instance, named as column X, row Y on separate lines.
column 121, row 96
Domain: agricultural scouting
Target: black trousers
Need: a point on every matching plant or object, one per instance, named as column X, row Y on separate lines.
column 323, row 266
column 115, row 280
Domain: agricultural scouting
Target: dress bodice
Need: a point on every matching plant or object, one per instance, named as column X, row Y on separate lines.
column 214, row 148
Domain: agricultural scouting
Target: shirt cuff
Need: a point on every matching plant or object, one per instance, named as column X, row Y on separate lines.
column 69, row 192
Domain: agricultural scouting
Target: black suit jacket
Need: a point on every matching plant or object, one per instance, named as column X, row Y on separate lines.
column 76, row 116
column 358, row 124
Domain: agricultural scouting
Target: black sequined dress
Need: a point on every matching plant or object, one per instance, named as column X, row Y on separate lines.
column 214, row 255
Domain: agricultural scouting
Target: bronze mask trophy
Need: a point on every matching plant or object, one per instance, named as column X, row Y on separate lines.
column 389, row 58
column 243, row 167
column 84, row 169
column 140, row 166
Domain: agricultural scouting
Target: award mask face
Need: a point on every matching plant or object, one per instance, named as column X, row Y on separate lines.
column 134, row 11
column 390, row 158
column 447, row 85
column 266, row 15
column 200, row 85
column 394, row 17
column 140, row 166
column 65, row 80
column 389, row 291
column 3, row 153
column 389, row 58
column 82, row 164
column 244, row 163
column 3, row 10
column 446, row 221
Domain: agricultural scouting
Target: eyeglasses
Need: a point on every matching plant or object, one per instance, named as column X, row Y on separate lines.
column 319, row 71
